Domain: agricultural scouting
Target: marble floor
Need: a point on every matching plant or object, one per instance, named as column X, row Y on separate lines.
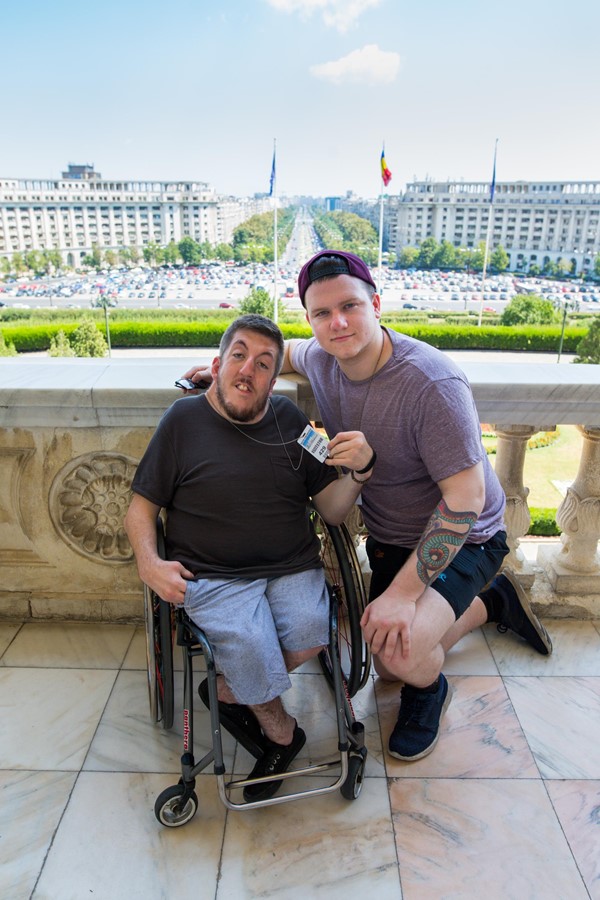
column 507, row 805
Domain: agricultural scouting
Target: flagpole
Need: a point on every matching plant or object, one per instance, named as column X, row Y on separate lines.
column 275, row 262
column 380, row 239
column 386, row 176
column 487, row 236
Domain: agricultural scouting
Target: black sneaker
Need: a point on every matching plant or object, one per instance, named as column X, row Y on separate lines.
column 511, row 610
column 240, row 722
column 417, row 730
column 274, row 760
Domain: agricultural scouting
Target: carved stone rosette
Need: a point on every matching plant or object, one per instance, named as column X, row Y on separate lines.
column 88, row 501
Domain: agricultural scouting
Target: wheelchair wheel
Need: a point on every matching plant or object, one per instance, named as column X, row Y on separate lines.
column 167, row 807
column 342, row 571
column 158, row 617
column 352, row 786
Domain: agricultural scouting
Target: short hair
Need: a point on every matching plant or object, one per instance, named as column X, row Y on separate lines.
column 259, row 324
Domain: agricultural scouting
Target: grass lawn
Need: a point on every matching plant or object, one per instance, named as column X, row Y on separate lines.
column 558, row 462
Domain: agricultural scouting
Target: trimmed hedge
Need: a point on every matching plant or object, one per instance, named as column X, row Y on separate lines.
column 543, row 522
column 207, row 333
column 543, row 338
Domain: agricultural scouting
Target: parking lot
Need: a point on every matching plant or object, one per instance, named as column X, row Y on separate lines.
column 215, row 285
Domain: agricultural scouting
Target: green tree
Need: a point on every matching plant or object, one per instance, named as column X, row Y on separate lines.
column 60, row 345
column 134, row 255
column 4, row 265
column 529, row 309
column 223, row 252
column 18, row 263
column 499, row 259
column 588, row 349
column 259, row 301
column 94, row 259
column 34, row 261
column 110, row 258
column 427, row 252
column 478, row 257
column 153, row 254
column 190, row 251
column 88, row 341
column 597, row 266
column 408, row 258
column 534, row 270
column 445, row 256
column 171, row 254
column 52, row 260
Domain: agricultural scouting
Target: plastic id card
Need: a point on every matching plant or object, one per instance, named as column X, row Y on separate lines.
column 314, row 442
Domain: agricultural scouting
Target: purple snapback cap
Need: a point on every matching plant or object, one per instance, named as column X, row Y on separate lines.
column 332, row 262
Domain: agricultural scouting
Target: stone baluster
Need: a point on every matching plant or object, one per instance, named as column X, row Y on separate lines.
column 575, row 566
column 510, row 459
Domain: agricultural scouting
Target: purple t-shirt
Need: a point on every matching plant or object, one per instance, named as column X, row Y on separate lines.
column 418, row 413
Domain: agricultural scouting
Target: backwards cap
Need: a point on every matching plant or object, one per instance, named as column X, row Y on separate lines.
column 332, row 262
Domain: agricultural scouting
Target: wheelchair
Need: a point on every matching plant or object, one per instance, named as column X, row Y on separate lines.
column 345, row 662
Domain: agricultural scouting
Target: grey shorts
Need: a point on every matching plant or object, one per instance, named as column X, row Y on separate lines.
column 249, row 622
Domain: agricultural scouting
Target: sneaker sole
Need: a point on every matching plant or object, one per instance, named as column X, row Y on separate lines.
column 533, row 619
column 431, row 747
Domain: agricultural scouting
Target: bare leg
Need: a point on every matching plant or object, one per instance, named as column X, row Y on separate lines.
column 277, row 724
column 433, row 619
column 295, row 658
column 473, row 617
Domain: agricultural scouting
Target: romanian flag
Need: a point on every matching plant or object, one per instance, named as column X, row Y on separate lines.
column 386, row 175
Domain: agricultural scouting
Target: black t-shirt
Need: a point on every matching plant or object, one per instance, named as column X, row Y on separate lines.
column 236, row 501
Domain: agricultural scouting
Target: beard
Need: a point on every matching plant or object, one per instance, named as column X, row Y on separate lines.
column 245, row 414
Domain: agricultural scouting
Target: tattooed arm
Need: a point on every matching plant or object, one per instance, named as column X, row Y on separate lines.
column 443, row 537
column 390, row 616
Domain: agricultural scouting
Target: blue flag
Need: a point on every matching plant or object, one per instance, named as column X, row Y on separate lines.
column 272, row 181
column 493, row 185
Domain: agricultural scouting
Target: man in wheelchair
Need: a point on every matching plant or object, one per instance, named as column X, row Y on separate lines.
column 242, row 556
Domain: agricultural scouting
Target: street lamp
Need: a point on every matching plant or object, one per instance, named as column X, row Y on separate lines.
column 566, row 305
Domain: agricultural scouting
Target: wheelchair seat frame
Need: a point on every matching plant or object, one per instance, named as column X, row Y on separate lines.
column 345, row 663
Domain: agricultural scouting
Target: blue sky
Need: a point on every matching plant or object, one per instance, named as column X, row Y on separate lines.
column 199, row 90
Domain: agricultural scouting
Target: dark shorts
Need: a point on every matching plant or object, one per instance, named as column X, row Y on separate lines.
column 471, row 569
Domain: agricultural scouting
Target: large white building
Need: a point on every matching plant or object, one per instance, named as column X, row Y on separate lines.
column 535, row 222
column 81, row 210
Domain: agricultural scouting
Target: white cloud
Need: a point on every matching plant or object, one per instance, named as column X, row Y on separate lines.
column 340, row 14
column 370, row 65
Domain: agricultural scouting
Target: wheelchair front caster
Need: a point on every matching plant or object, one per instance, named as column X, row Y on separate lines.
column 352, row 786
column 168, row 809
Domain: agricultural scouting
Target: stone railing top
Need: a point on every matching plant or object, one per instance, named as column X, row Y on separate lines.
column 83, row 393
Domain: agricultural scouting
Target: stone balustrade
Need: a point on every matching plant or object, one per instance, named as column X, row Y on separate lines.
column 72, row 431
